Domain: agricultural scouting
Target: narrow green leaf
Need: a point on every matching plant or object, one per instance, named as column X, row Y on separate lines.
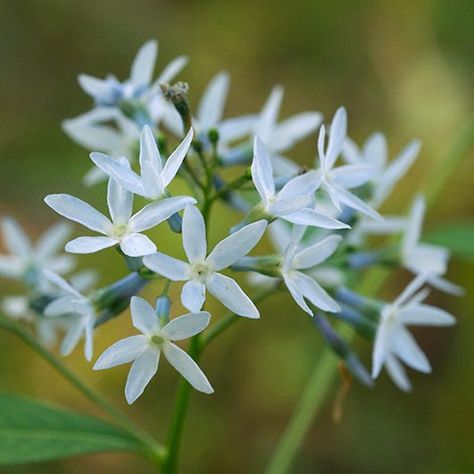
column 458, row 237
column 31, row 431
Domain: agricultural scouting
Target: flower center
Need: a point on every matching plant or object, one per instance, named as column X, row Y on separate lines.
column 120, row 230
column 157, row 340
column 201, row 271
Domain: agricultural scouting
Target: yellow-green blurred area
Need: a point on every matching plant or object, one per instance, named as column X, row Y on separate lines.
column 401, row 67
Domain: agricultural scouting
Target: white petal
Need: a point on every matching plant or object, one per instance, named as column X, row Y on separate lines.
column 96, row 88
column 425, row 315
column 316, row 253
column 73, row 336
column 351, row 152
column 89, row 339
column 93, row 136
column 280, row 234
column 194, row 234
column 169, row 267
column 140, row 374
column 337, row 136
column 144, row 63
column 296, row 293
column 414, row 226
column 150, row 163
column 122, row 352
column 144, row 317
column 156, row 212
column 262, row 171
column 269, row 114
column 310, row 217
column 123, row 174
column 397, row 373
column 354, row 202
column 236, row 245
column 292, row 130
column 186, row 326
column 137, row 245
column 11, row 266
column 375, row 150
column 78, row 211
column 408, row 351
column 282, row 206
column 172, row 69
column 53, row 239
column 59, row 307
column 120, row 202
column 211, row 106
column 90, row 244
column 15, row 239
column 381, row 349
column 305, row 184
column 445, row 285
column 410, row 290
column 229, row 293
column 352, row 176
column 186, row 366
column 236, row 128
column 61, row 283
column 312, row 291
column 174, row 161
column 193, row 295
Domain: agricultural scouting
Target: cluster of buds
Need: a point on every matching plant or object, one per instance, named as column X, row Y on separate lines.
column 319, row 220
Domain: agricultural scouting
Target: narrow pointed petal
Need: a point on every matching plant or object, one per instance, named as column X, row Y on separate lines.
column 414, row 226
column 194, row 234
column 172, row 69
column 89, row 339
column 169, row 267
column 269, row 114
column 157, row 212
column 312, row 291
column 381, row 349
column 186, row 326
column 78, row 211
column 262, row 171
column 408, row 351
column 174, row 161
column 53, row 239
column 410, row 290
column 59, row 307
column 186, row 366
column 447, row 286
column 211, row 106
column 61, row 283
column 352, row 176
column 193, row 295
column 119, row 201
column 144, row 317
column 229, row 293
column 425, row 315
column 236, row 245
column 73, row 336
column 283, row 206
column 137, row 245
column 122, row 352
column 305, row 184
column 294, row 129
column 397, row 373
column 354, row 202
column 96, row 88
column 144, row 63
column 337, row 136
column 235, row 128
column 123, row 174
column 86, row 245
column 142, row 371
column 296, row 293
column 320, row 146
column 11, row 266
column 375, row 151
column 15, row 239
column 310, row 217
column 316, row 253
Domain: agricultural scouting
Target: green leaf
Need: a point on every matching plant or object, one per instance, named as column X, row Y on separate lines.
column 458, row 237
column 31, row 431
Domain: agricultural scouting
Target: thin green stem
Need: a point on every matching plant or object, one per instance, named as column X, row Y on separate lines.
column 325, row 370
column 151, row 449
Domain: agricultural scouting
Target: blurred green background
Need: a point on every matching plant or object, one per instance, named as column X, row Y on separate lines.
column 402, row 67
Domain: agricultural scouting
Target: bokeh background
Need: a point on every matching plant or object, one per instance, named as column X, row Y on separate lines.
column 402, row 67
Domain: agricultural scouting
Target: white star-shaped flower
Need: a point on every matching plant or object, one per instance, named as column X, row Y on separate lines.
column 393, row 341
column 110, row 91
column 299, row 258
column 124, row 228
column 81, row 311
column 421, row 258
column 154, row 176
column 202, row 272
column 336, row 181
column 386, row 174
column 292, row 203
column 280, row 137
column 26, row 261
column 144, row 350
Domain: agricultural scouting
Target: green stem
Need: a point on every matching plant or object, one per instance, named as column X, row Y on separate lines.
column 153, row 450
column 325, row 370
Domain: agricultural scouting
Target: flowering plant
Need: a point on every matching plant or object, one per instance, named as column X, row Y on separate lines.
column 319, row 219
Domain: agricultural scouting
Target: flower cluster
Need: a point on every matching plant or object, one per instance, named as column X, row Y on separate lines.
column 319, row 218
